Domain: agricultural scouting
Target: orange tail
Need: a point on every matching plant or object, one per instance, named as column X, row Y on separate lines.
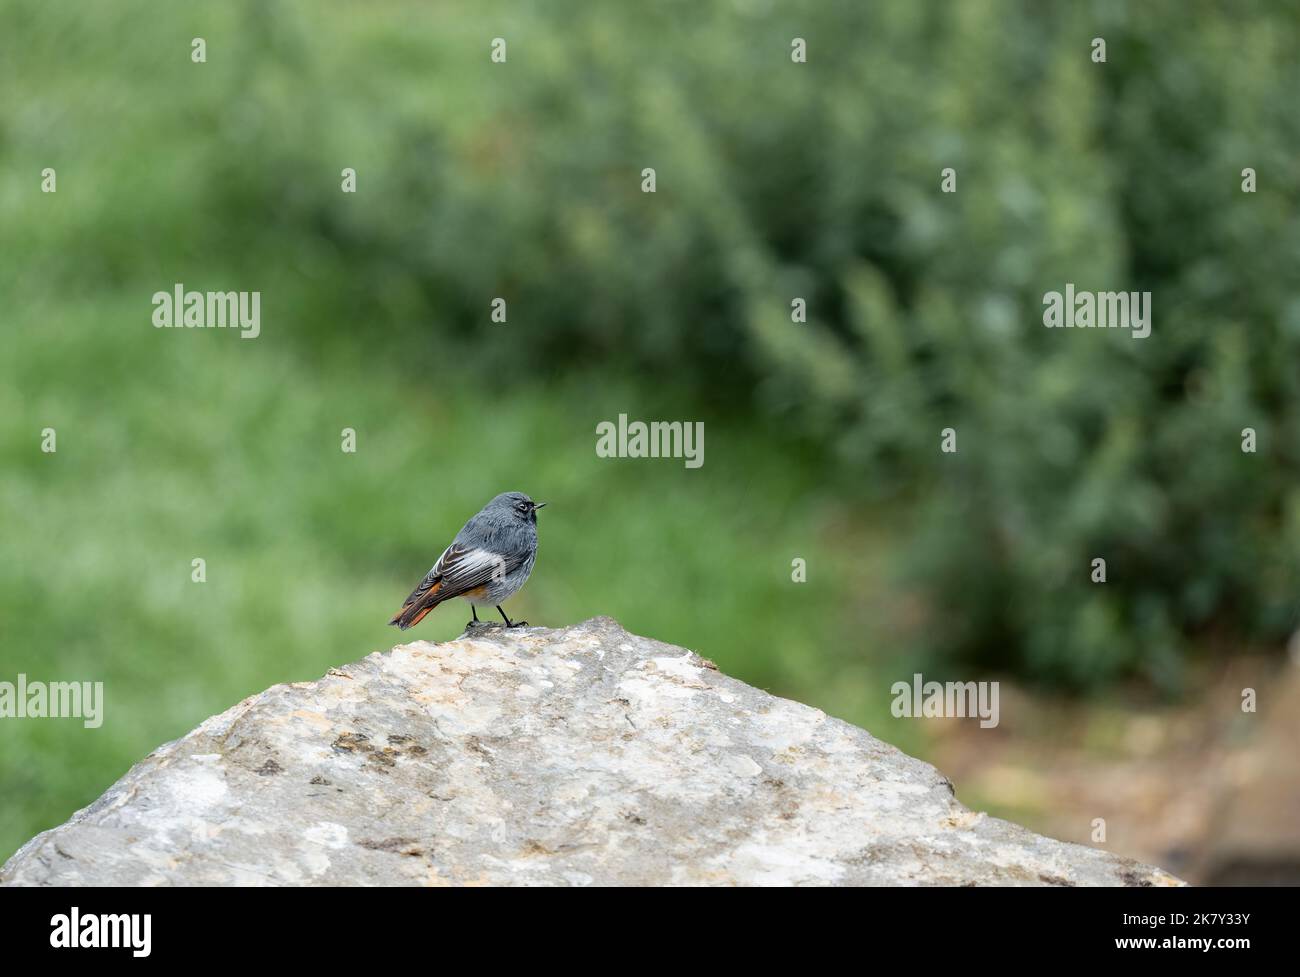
column 416, row 607
column 410, row 617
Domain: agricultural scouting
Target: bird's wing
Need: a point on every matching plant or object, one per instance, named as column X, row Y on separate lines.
column 460, row 569
column 463, row 567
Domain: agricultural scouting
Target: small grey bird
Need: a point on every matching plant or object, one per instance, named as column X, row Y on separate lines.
column 490, row 558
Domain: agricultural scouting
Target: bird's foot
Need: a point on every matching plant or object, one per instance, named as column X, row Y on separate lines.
column 517, row 624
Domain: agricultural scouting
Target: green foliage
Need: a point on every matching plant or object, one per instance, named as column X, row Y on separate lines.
column 821, row 180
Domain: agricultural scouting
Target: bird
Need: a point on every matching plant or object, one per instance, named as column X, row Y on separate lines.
column 488, row 561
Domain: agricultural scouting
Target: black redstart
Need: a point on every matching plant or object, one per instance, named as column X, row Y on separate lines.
column 490, row 558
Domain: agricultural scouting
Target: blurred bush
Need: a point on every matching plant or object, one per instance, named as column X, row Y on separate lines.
column 821, row 180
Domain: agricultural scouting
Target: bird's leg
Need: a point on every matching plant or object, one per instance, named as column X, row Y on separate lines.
column 510, row 623
column 471, row 625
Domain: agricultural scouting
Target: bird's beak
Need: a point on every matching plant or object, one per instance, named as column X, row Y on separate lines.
column 539, row 505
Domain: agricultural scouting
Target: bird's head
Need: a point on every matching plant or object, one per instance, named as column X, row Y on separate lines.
column 518, row 504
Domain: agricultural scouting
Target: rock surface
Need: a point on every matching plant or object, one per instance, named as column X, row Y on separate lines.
column 579, row 756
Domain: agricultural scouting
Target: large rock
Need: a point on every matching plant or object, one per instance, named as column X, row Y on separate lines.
column 536, row 757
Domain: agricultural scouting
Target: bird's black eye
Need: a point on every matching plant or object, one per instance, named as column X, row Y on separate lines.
column 522, row 506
